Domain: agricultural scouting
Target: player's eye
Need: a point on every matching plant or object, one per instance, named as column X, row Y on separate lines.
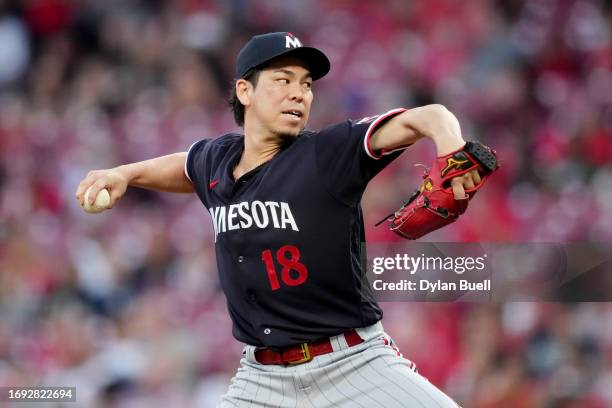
column 307, row 85
column 283, row 81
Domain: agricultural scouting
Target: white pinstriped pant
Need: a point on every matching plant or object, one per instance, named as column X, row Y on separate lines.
column 370, row 374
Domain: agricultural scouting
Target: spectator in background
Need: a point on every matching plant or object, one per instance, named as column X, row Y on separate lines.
column 87, row 84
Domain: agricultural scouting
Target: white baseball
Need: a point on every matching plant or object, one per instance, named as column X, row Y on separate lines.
column 100, row 204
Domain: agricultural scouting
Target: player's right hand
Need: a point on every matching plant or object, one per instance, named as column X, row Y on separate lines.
column 111, row 179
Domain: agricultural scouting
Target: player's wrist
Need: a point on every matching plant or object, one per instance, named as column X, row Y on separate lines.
column 443, row 129
column 127, row 172
column 447, row 143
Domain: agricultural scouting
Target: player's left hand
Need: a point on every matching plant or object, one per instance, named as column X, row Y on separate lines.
column 467, row 181
column 446, row 191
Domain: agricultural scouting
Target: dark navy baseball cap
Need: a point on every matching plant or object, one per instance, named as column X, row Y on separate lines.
column 262, row 48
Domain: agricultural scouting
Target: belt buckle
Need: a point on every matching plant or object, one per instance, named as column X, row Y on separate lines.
column 306, row 355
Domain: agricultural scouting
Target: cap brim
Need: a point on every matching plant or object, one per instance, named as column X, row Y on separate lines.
column 317, row 62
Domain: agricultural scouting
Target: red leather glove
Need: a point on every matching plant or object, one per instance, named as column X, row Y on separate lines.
column 433, row 205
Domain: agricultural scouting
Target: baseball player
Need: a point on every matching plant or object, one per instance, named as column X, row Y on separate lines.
column 285, row 205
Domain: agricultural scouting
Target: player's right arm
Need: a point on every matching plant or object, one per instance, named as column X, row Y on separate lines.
column 165, row 173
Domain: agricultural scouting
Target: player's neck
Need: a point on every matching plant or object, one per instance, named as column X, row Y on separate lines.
column 257, row 150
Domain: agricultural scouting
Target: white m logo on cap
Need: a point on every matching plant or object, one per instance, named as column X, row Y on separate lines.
column 292, row 42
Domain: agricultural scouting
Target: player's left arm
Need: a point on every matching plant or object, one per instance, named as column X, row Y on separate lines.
column 430, row 121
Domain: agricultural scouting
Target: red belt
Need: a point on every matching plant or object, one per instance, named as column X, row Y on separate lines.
column 303, row 353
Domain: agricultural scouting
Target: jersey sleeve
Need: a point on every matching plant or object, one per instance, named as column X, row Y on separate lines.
column 195, row 164
column 345, row 160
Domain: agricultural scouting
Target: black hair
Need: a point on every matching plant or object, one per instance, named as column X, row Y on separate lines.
column 237, row 107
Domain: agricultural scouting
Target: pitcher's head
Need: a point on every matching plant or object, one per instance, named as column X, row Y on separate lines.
column 273, row 87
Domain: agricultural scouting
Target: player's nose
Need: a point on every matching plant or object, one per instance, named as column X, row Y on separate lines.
column 296, row 93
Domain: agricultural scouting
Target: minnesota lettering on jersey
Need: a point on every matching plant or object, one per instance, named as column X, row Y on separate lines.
column 254, row 214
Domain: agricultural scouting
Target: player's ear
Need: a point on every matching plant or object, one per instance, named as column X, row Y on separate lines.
column 244, row 90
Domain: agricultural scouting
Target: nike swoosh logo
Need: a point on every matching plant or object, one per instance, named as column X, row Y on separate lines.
column 212, row 184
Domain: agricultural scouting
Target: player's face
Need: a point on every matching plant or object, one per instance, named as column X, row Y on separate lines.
column 280, row 103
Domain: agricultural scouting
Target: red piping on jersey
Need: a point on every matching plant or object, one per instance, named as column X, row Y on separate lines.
column 213, row 183
column 370, row 131
column 187, row 159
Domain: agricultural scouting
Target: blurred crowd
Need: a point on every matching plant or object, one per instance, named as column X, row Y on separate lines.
column 126, row 305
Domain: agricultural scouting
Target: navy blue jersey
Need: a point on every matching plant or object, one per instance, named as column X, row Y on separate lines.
column 289, row 233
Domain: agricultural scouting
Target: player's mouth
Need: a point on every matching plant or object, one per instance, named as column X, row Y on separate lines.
column 293, row 114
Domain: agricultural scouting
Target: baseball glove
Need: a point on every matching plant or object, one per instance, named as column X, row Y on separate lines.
column 433, row 204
